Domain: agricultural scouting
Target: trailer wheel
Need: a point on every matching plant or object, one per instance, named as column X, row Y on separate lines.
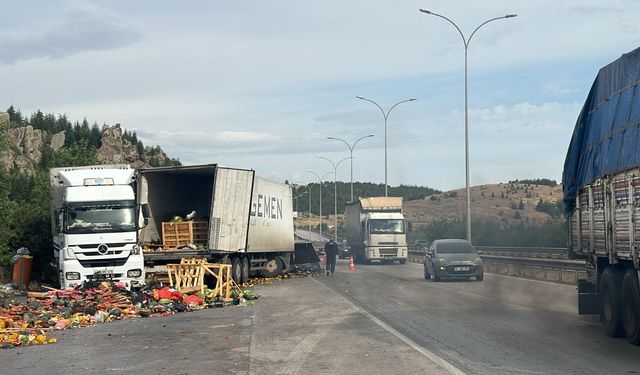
column 273, row 267
column 244, row 270
column 610, row 302
column 236, row 273
column 630, row 306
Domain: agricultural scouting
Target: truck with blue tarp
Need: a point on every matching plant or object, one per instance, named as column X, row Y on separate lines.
column 601, row 186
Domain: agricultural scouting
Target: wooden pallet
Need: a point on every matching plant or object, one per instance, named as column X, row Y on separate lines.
column 188, row 277
column 180, row 233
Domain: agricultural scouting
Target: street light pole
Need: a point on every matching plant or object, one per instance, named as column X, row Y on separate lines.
column 351, row 147
column 466, row 42
column 335, row 193
column 320, row 181
column 386, row 116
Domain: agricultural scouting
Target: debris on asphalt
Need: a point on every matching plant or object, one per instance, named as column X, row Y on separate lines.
column 28, row 323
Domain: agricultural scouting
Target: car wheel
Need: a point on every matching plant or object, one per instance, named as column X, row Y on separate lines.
column 427, row 275
column 480, row 277
column 630, row 305
column 435, row 274
column 610, row 302
column 403, row 261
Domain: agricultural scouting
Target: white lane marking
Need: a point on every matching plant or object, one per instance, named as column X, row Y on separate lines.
column 433, row 357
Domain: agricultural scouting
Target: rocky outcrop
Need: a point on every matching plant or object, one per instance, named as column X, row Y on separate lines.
column 24, row 151
column 26, row 146
column 57, row 141
column 116, row 151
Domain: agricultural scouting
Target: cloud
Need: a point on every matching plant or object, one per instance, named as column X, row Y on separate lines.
column 212, row 138
column 82, row 28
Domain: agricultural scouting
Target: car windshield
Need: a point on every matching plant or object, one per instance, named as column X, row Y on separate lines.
column 387, row 226
column 455, row 247
column 93, row 217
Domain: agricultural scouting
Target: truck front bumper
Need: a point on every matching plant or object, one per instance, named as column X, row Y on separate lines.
column 385, row 253
column 131, row 274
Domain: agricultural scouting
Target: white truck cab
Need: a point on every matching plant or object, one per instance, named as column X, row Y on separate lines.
column 94, row 225
column 376, row 229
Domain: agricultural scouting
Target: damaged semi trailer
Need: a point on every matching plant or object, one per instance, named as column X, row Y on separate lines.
column 239, row 218
column 601, row 185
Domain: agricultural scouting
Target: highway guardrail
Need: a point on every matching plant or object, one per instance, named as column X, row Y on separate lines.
column 548, row 264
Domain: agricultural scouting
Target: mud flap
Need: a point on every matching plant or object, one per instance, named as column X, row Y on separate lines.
column 588, row 301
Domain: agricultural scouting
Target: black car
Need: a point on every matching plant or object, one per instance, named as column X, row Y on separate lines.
column 452, row 259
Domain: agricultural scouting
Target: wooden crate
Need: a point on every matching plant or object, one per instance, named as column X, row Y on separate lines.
column 180, row 233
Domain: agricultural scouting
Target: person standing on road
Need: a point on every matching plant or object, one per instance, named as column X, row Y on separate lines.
column 331, row 250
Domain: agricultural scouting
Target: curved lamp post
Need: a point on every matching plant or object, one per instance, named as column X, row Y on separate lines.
column 386, row 116
column 351, row 154
column 466, row 41
column 335, row 193
column 320, row 181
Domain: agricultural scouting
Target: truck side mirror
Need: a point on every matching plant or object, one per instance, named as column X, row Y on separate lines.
column 58, row 216
column 143, row 216
column 145, row 211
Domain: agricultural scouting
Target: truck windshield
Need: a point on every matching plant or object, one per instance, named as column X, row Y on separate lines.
column 93, row 217
column 387, row 226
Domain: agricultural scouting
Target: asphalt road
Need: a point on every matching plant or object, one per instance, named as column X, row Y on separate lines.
column 502, row 325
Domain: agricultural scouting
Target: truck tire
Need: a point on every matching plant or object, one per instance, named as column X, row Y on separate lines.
column 244, row 270
column 610, row 302
column 235, row 270
column 273, row 267
column 630, row 306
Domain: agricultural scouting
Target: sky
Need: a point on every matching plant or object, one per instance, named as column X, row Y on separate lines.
column 262, row 84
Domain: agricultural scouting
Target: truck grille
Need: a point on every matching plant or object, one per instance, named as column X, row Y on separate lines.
column 110, row 262
column 388, row 251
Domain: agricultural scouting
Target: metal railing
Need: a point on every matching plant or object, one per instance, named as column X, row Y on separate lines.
column 549, row 257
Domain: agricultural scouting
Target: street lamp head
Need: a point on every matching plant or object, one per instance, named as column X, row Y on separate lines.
column 427, row 11
column 412, row 99
column 360, row 97
column 511, row 15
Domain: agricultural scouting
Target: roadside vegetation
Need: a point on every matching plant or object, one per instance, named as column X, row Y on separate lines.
column 24, row 195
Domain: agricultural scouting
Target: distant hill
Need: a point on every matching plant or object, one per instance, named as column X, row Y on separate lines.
column 517, row 213
column 360, row 189
column 504, row 203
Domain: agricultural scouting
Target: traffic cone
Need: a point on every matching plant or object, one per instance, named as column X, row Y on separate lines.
column 352, row 265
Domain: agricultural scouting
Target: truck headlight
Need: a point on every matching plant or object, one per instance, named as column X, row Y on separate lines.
column 134, row 273
column 135, row 250
column 72, row 275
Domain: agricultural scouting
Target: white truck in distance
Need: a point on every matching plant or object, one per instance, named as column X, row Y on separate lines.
column 376, row 229
column 94, row 225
